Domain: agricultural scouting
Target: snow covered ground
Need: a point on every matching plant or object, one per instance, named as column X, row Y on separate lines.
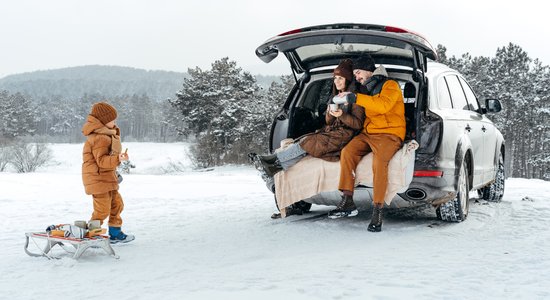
column 208, row 235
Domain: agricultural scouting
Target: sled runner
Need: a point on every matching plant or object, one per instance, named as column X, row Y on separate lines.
column 80, row 244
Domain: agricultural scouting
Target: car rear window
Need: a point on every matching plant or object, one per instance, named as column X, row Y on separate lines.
column 319, row 51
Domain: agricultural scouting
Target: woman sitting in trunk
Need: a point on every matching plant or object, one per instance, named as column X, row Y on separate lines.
column 344, row 119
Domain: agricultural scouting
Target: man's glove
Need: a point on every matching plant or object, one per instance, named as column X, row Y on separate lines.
column 351, row 98
column 347, row 98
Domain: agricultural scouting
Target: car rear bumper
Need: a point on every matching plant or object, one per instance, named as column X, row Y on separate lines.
column 432, row 190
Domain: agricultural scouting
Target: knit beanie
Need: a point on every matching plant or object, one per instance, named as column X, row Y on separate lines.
column 345, row 69
column 364, row 62
column 104, row 112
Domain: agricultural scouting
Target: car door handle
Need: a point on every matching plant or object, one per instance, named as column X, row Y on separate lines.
column 468, row 127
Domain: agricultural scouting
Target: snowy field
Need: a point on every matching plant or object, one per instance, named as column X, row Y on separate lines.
column 208, row 235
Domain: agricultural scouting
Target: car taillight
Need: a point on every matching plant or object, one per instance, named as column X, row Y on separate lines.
column 395, row 29
column 428, row 173
column 290, row 32
column 401, row 30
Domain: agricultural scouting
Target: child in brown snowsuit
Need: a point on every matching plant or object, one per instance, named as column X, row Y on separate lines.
column 101, row 155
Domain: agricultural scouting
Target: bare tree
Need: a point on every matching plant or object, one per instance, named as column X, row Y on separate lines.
column 3, row 158
column 29, row 157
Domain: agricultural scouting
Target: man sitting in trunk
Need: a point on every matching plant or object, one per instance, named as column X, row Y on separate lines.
column 383, row 134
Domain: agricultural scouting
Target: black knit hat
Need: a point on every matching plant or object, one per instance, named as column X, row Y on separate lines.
column 364, row 62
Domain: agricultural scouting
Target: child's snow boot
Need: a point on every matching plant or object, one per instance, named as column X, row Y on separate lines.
column 117, row 236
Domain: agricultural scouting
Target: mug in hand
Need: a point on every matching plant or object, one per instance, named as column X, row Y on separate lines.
column 333, row 107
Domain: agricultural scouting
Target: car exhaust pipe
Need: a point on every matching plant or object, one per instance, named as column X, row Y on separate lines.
column 415, row 194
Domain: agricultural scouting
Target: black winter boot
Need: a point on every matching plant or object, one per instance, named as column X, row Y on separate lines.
column 270, row 164
column 376, row 220
column 346, row 208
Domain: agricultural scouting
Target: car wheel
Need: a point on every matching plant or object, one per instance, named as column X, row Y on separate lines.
column 456, row 210
column 494, row 191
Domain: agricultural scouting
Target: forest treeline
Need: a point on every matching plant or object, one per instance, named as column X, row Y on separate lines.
column 228, row 112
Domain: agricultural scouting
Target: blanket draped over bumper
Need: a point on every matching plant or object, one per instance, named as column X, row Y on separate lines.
column 311, row 176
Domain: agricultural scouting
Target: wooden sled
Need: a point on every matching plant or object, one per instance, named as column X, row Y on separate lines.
column 80, row 245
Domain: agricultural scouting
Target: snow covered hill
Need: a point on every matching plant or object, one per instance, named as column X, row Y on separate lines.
column 208, row 235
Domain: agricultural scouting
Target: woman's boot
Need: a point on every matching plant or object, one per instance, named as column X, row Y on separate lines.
column 270, row 164
column 376, row 220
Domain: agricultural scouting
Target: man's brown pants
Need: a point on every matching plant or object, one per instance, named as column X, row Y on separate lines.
column 108, row 205
column 383, row 147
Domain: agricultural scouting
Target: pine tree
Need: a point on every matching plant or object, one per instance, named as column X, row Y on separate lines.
column 264, row 113
column 17, row 115
column 509, row 73
column 441, row 54
column 214, row 103
column 539, row 160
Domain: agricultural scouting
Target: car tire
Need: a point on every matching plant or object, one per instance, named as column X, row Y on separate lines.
column 494, row 191
column 456, row 210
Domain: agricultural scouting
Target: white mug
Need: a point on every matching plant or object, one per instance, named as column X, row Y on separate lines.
column 94, row 224
column 333, row 107
column 81, row 224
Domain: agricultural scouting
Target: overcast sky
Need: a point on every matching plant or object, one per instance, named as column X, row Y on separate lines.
column 179, row 34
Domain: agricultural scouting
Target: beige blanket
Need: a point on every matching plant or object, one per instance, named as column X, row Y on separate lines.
column 311, row 176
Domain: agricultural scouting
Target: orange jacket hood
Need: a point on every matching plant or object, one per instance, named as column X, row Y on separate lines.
column 92, row 125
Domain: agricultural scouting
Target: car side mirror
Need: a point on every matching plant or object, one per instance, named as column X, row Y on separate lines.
column 492, row 105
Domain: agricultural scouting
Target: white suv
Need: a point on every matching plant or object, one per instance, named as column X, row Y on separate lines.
column 460, row 148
